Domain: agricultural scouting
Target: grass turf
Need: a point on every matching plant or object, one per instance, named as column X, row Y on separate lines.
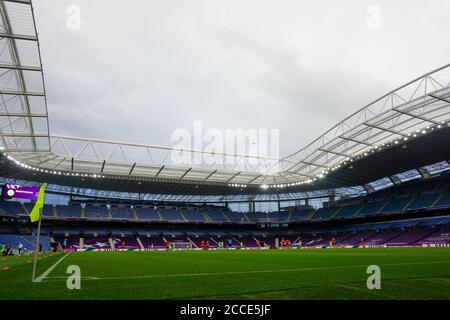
column 406, row 273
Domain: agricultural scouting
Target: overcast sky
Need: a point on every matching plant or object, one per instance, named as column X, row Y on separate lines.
column 138, row 69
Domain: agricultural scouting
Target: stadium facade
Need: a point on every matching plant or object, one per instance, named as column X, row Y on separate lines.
column 380, row 175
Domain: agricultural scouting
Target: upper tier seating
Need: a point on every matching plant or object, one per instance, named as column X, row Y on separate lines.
column 371, row 208
column 68, row 211
column 348, row 211
column 96, row 212
column 324, row 213
column 299, row 215
column 170, row 215
column 278, row 216
column 193, row 215
column 423, row 201
column 147, row 214
column 47, row 210
column 396, row 205
column 216, row 216
column 444, row 200
column 122, row 213
column 12, row 207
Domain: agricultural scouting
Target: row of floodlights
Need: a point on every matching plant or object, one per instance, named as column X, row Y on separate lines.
column 371, row 150
column 58, row 173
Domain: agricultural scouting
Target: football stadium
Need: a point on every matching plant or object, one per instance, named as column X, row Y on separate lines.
column 361, row 211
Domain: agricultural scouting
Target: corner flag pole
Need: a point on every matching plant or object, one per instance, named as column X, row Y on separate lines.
column 36, row 251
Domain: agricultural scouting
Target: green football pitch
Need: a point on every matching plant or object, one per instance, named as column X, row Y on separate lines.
column 407, row 273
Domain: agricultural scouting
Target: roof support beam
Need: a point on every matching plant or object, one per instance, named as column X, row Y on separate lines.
column 21, row 93
column 424, row 172
column 210, row 175
column 23, row 115
column 416, row 116
column 103, row 166
column 132, row 168
column 439, row 98
column 184, row 174
column 17, row 36
column 385, row 129
column 234, row 176
column 22, row 135
column 48, row 159
column 314, row 164
column 19, row 1
column 15, row 67
column 254, row 179
column 356, row 141
column 159, row 171
column 334, row 152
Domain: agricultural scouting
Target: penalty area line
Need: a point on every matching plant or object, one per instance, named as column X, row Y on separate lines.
column 47, row 272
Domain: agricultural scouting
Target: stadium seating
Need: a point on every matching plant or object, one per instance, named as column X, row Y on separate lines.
column 438, row 237
column 96, row 212
column 348, row 211
column 444, row 200
column 193, row 215
column 371, row 208
column 423, row 201
column 130, row 242
column 257, row 216
column 68, row 211
column 12, row 207
column 278, row 216
column 396, row 205
column 235, row 216
column 216, row 216
column 27, row 241
column 324, row 213
column 147, row 214
column 122, row 213
column 299, row 215
column 170, row 215
column 47, row 210
column 409, row 237
column 100, row 242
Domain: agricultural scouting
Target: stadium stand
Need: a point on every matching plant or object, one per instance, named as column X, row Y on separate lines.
column 147, row 213
column 68, row 211
column 423, row 201
column 170, row 214
column 96, row 212
column 12, row 207
column 122, row 213
column 371, row 208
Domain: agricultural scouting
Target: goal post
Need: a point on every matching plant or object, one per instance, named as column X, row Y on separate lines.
column 181, row 245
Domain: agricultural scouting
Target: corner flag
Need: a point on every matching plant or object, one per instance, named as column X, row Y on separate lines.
column 35, row 214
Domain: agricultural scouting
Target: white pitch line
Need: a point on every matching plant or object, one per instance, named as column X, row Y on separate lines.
column 47, row 272
column 249, row 272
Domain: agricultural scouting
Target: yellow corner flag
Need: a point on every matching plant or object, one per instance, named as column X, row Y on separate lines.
column 35, row 213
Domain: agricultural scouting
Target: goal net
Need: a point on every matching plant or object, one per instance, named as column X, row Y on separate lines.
column 181, row 245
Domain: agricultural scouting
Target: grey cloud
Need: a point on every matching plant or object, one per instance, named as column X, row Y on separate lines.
column 138, row 70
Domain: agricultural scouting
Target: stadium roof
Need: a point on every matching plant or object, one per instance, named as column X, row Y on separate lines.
column 405, row 129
